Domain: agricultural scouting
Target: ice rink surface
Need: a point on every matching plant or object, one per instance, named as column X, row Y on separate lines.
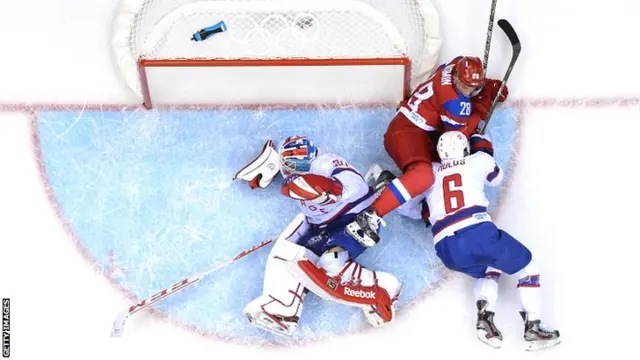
column 571, row 197
column 151, row 200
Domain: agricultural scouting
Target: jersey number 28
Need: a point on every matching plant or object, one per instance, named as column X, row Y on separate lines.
column 453, row 195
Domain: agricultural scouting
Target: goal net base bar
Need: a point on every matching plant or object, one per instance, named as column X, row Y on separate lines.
column 302, row 82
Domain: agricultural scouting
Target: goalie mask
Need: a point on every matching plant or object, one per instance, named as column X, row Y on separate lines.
column 296, row 154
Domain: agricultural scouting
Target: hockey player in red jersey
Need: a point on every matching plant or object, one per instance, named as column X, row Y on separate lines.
column 456, row 97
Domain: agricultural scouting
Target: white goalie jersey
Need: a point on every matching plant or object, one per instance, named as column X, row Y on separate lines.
column 356, row 194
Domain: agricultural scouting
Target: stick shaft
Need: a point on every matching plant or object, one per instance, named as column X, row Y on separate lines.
column 487, row 43
column 118, row 326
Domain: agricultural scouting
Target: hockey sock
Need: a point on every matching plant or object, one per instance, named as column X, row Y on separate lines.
column 416, row 180
column 529, row 290
column 486, row 288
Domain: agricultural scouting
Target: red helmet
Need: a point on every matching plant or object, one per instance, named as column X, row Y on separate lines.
column 470, row 71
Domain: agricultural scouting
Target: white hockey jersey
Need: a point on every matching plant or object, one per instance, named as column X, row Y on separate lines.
column 356, row 194
column 457, row 198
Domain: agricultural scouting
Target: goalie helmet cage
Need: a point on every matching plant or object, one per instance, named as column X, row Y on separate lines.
column 295, row 52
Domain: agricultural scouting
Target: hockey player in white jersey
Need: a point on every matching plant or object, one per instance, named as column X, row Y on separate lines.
column 314, row 252
column 467, row 240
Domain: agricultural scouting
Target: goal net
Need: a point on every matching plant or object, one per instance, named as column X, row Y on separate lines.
column 294, row 52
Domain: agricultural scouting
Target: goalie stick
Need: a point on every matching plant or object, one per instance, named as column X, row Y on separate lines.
column 118, row 325
column 515, row 52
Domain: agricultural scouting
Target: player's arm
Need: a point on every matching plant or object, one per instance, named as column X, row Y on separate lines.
column 354, row 186
column 312, row 188
column 421, row 113
column 494, row 174
column 481, row 102
column 482, row 148
column 480, row 143
column 492, row 170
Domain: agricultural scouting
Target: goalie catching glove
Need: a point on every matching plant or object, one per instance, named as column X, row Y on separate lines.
column 261, row 171
column 315, row 189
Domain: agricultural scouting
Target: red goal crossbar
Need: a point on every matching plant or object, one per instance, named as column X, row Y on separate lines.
column 144, row 63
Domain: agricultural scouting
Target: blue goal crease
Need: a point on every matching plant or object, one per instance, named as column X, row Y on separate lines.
column 150, row 196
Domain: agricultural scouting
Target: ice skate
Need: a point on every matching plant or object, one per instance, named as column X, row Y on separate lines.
column 274, row 324
column 537, row 336
column 365, row 226
column 378, row 179
column 486, row 329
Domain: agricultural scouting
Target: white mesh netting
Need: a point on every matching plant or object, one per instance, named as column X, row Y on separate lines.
column 276, row 29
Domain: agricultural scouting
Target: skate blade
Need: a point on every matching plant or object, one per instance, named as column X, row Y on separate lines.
column 270, row 326
column 541, row 344
column 494, row 342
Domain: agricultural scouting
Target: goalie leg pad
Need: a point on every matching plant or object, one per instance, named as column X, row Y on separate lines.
column 279, row 307
column 263, row 169
column 336, row 277
column 267, row 311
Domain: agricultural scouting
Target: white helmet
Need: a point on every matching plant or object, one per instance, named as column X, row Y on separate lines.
column 453, row 145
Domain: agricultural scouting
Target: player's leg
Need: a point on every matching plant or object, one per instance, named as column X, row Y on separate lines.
column 411, row 149
column 279, row 307
column 485, row 291
column 513, row 258
column 459, row 253
column 536, row 334
column 338, row 277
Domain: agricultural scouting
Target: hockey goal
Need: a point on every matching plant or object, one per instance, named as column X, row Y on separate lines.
column 294, row 52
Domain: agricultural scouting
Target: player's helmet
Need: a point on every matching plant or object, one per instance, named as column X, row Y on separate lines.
column 296, row 154
column 453, row 145
column 470, row 71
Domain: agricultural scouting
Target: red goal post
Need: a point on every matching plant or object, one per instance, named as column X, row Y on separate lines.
column 294, row 52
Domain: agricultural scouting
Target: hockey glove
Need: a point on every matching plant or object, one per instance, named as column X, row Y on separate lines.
column 481, row 143
column 491, row 88
column 481, row 103
column 261, row 171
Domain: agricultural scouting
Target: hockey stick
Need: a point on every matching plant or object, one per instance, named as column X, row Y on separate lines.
column 487, row 44
column 515, row 52
column 118, row 324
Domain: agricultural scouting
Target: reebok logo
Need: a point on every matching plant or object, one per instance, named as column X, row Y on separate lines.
column 360, row 293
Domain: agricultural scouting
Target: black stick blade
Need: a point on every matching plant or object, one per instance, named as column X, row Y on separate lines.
column 510, row 32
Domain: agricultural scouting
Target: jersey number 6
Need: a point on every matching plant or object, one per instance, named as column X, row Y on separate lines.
column 450, row 188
